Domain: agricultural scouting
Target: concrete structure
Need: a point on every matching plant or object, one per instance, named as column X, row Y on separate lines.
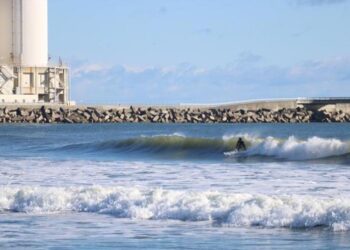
column 25, row 74
column 328, row 104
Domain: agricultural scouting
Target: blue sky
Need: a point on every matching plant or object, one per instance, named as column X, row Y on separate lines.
column 185, row 51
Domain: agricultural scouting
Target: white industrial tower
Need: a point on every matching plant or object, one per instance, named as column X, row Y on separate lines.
column 25, row 73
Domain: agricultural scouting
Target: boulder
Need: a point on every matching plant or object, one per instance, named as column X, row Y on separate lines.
column 67, row 120
column 155, row 119
column 94, row 118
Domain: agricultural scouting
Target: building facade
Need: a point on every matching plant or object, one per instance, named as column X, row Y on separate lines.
column 26, row 76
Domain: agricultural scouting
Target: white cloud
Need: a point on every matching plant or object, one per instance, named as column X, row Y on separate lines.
column 135, row 69
column 89, row 68
column 97, row 83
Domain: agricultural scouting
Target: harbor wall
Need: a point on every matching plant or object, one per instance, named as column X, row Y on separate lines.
column 259, row 111
column 175, row 114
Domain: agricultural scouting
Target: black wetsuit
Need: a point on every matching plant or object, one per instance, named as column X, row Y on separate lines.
column 240, row 145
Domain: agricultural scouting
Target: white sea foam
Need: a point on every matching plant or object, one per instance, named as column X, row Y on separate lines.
column 294, row 149
column 239, row 210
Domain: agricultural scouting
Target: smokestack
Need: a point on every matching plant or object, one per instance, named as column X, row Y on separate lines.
column 24, row 32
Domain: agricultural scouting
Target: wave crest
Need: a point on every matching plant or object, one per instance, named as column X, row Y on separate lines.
column 294, row 149
column 173, row 146
column 239, row 210
column 182, row 147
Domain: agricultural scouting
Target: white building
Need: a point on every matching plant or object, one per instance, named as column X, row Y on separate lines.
column 25, row 73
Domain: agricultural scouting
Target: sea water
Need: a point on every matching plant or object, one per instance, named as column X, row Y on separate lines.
column 175, row 186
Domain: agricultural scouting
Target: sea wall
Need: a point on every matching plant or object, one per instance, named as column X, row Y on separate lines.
column 131, row 114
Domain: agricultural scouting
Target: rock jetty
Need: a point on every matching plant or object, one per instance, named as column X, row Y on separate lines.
column 166, row 115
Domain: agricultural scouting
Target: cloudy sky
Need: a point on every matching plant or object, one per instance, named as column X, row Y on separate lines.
column 202, row 51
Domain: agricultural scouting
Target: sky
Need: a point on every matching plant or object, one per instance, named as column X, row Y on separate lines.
column 201, row 51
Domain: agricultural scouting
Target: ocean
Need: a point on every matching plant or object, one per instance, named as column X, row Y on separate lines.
column 175, row 186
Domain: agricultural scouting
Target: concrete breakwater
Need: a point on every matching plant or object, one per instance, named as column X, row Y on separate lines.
column 165, row 115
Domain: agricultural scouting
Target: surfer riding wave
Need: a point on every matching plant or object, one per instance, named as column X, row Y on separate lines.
column 240, row 145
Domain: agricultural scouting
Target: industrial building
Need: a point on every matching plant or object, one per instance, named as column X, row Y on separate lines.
column 26, row 75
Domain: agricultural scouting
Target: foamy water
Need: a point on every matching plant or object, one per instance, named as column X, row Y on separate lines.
column 233, row 209
column 178, row 185
column 293, row 149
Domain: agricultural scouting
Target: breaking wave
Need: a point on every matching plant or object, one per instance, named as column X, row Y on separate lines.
column 238, row 210
column 171, row 146
column 182, row 147
column 293, row 149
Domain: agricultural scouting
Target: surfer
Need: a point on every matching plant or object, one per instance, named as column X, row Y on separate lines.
column 240, row 145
